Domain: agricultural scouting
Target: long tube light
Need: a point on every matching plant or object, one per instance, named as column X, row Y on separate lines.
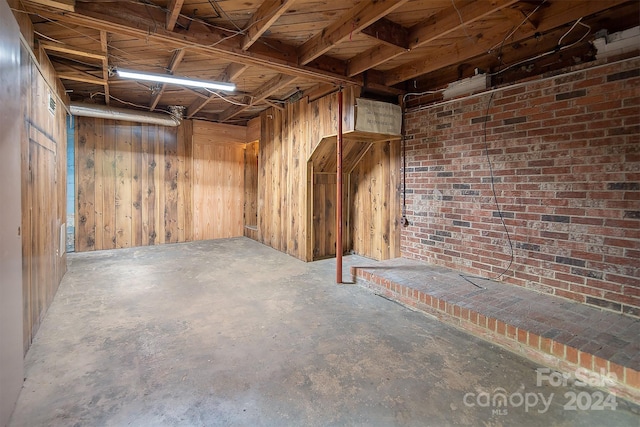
column 182, row 81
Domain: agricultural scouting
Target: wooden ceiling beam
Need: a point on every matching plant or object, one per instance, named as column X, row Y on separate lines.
column 176, row 59
column 61, row 48
column 198, row 105
column 319, row 90
column 268, row 13
column 104, row 46
column 66, row 71
column 197, row 93
column 273, row 104
column 232, row 72
column 353, row 21
column 557, row 14
column 437, row 26
column 518, row 17
column 68, row 5
column 261, row 94
column 103, row 19
column 173, row 11
column 389, row 33
column 81, row 78
column 454, row 20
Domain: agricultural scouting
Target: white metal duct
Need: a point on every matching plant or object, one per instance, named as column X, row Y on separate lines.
column 106, row 112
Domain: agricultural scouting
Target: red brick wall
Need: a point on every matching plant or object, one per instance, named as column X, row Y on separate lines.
column 565, row 152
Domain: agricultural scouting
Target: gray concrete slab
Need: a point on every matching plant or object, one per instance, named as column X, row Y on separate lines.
column 231, row 332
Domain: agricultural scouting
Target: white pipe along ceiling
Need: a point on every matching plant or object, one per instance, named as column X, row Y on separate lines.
column 107, row 112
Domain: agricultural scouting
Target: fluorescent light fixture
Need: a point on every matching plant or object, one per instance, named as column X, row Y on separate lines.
column 182, row 81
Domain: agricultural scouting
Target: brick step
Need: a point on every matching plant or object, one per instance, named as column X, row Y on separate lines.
column 555, row 332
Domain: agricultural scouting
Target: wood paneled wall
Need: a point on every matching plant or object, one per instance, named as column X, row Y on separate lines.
column 323, row 212
column 251, row 190
column 285, row 178
column 143, row 185
column 44, row 163
column 218, row 190
column 296, row 195
column 133, row 184
column 375, row 201
column 218, row 180
column 282, row 194
column 140, row 185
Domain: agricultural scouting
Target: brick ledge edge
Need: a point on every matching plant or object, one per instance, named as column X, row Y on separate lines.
column 545, row 351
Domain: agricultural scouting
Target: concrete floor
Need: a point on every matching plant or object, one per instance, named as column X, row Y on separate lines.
column 231, row 332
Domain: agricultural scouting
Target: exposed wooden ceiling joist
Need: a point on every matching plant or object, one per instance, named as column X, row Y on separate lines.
column 82, row 77
column 68, row 71
column 68, row 5
column 264, row 92
column 55, row 47
column 558, row 13
column 388, row 32
column 176, row 58
column 173, row 11
column 104, row 46
column 519, row 17
column 421, row 34
column 198, row 105
column 268, row 13
column 232, row 72
column 361, row 16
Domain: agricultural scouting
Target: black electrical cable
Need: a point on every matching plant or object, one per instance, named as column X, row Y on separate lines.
column 493, row 187
column 405, row 221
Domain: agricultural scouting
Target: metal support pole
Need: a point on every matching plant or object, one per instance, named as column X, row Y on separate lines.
column 339, row 193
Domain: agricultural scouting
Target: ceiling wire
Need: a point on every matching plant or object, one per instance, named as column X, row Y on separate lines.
column 558, row 48
column 212, row 92
column 501, row 44
column 464, row 25
column 214, row 4
column 145, row 107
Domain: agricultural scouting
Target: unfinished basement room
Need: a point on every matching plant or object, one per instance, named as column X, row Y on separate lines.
column 320, row 213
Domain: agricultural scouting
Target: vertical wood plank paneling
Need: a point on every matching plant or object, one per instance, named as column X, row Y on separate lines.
column 123, row 198
column 85, row 177
column 158, row 176
column 375, row 211
column 216, row 161
column 218, row 181
column 98, row 126
column 109, row 184
column 395, row 190
column 136, row 185
column 300, row 163
column 184, row 184
column 251, row 190
column 198, row 201
column 43, row 151
column 324, row 215
column 171, row 185
column 142, row 183
column 155, row 167
column 288, row 216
